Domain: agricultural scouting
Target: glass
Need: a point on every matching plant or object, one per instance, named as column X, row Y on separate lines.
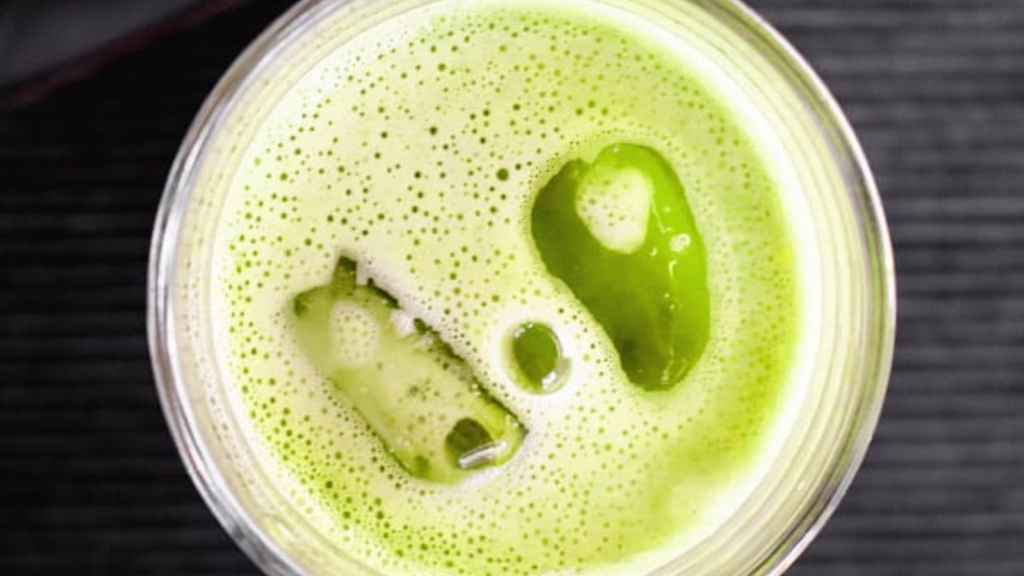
column 855, row 301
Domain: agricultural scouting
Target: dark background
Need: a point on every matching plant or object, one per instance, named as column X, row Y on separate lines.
column 90, row 482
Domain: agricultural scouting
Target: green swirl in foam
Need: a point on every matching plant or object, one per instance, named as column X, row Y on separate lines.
column 419, row 149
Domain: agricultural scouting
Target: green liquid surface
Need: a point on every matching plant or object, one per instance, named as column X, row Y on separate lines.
column 509, row 288
column 652, row 298
column 541, row 366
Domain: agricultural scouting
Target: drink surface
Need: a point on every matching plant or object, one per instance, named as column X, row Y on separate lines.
column 418, row 153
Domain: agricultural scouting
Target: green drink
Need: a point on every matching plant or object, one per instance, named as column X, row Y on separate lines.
column 509, row 288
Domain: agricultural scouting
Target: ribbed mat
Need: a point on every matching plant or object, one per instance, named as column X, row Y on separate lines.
column 90, row 483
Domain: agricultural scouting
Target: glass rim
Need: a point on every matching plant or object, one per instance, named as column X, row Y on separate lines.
column 209, row 478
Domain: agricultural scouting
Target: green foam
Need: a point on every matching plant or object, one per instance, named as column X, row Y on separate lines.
column 419, row 149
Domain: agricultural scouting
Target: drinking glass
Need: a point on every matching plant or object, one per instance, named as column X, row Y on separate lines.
column 853, row 304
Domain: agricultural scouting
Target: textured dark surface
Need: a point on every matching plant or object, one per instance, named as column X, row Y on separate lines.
column 90, row 482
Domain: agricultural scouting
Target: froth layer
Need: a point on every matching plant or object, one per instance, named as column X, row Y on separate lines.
column 417, row 148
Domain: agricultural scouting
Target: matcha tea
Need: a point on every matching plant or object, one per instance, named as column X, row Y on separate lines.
column 509, row 288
